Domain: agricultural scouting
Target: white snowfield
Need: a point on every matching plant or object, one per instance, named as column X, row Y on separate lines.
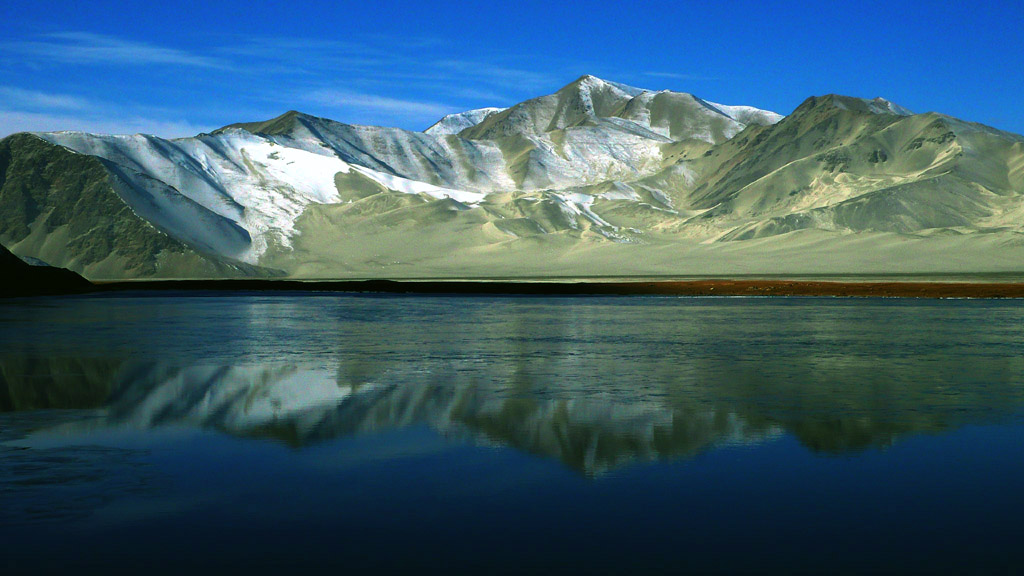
column 748, row 114
column 236, row 193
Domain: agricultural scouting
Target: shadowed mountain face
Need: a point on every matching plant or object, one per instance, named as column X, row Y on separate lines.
column 69, row 210
column 597, row 178
column 23, row 279
column 597, row 384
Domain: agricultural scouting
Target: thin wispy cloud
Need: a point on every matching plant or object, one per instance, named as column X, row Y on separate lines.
column 343, row 99
column 477, row 94
column 369, row 78
column 301, row 55
column 407, row 82
column 31, row 99
column 494, row 74
column 12, row 121
column 97, row 49
column 677, row 76
column 374, row 60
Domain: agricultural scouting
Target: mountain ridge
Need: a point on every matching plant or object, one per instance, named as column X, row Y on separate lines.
column 595, row 178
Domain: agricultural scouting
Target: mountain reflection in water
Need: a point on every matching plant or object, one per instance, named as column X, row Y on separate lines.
column 597, row 384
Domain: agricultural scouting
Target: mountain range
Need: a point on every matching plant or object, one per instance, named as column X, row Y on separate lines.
column 596, row 179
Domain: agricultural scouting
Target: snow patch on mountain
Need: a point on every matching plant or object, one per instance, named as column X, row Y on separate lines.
column 233, row 193
column 875, row 106
column 632, row 91
column 577, row 204
column 748, row 114
column 399, row 184
column 455, row 123
column 883, row 106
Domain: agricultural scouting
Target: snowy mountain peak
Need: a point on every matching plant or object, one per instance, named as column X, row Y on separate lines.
column 455, row 123
column 588, row 81
column 603, row 111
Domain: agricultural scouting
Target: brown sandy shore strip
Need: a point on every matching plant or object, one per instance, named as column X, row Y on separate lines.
column 547, row 288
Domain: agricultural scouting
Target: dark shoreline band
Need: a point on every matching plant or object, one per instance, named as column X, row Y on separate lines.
column 623, row 288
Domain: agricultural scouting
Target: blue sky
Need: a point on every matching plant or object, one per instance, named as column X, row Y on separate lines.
column 186, row 67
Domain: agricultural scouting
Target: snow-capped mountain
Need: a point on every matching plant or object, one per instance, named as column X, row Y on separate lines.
column 595, row 178
column 594, row 107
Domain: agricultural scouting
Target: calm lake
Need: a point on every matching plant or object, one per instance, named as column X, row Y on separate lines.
column 372, row 434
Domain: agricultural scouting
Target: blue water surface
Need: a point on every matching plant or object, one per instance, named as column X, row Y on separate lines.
column 374, row 434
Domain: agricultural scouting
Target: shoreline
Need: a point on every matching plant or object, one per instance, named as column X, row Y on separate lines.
column 709, row 287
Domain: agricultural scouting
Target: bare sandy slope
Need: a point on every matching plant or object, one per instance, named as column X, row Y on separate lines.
column 334, row 243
